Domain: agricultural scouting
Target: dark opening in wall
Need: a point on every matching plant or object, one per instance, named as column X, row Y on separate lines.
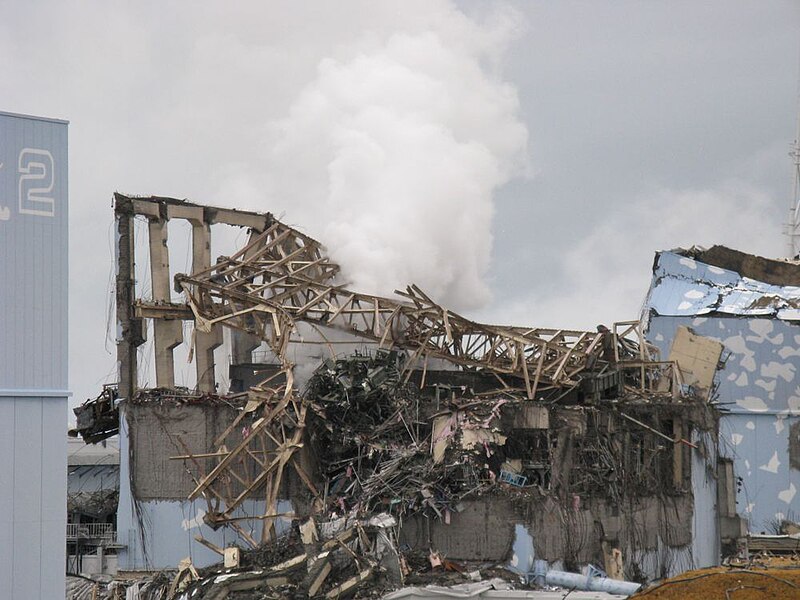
column 794, row 446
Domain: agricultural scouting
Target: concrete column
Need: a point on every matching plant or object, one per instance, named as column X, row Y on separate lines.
column 677, row 454
column 130, row 333
column 204, row 343
column 168, row 333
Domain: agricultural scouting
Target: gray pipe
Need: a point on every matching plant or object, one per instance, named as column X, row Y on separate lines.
column 591, row 584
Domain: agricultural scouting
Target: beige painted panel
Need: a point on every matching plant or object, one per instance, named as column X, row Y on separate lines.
column 697, row 358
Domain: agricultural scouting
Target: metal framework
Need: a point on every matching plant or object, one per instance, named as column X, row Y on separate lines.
column 282, row 277
column 269, row 285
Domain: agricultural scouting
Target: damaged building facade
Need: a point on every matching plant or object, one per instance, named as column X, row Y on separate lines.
column 750, row 306
column 469, row 441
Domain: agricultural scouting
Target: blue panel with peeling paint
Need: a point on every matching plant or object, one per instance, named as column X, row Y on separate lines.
column 757, row 387
column 685, row 287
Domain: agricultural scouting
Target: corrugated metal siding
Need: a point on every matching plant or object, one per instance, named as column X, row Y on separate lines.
column 758, row 385
column 33, row 257
column 33, row 357
column 705, row 525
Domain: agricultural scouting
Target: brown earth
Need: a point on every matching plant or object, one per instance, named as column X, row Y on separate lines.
column 777, row 578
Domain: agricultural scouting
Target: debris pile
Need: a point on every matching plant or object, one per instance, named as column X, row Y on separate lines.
column 97, row 419
column 345, row 557
column 373, row 436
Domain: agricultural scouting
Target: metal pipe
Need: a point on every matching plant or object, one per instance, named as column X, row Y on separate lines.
column 591, row 584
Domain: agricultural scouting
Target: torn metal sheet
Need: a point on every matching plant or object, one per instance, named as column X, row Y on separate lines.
column 683, row 286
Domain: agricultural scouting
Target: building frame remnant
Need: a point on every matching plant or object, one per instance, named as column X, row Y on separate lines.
column 281, row 279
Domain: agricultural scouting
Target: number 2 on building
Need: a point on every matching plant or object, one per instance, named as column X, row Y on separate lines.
column 36, row 183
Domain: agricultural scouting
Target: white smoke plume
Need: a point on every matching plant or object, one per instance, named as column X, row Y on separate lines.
column 391, row 156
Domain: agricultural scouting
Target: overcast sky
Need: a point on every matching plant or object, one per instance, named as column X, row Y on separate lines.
column 521, row 160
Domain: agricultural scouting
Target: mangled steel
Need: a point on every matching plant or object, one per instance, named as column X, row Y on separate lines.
column 281, row 278
column 97, row 419
column 363, row 439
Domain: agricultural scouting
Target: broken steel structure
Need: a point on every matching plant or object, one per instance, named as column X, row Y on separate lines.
column 166, row 315
column 282, row 277
column 280, row 281
column 266, row 287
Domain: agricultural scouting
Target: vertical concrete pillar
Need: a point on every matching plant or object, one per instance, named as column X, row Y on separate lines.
column 130, row 333
column 677, row 458
column 168, row 333
column 204, row 343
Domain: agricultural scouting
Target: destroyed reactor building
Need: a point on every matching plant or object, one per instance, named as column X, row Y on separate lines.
column 472, row 441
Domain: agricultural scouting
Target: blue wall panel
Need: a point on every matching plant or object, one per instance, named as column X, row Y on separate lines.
column 33, row 356
column 759, row 386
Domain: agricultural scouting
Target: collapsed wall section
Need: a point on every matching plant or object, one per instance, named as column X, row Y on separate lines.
column 749, row 306
column 160, row 431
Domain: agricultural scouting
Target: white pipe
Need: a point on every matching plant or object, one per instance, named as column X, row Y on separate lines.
column 591, row 584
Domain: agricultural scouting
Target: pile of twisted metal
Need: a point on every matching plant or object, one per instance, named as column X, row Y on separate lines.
column 380, row 436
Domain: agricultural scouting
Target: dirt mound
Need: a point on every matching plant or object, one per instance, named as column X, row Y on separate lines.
column 778, row 579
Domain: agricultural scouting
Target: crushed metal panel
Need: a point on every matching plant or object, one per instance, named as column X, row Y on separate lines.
column 683, row 286
column 697, row 357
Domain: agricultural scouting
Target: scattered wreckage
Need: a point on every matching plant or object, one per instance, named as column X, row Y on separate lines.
column 436, row 412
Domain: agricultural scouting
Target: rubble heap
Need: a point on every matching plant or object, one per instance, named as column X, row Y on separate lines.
column 378, row 442
column 441, row 410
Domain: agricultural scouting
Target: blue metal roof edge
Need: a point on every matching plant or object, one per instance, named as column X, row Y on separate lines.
column 33, row 117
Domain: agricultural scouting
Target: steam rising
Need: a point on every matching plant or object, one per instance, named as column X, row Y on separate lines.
column 392, row 155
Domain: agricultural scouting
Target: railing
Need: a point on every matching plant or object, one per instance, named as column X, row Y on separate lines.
column 91, row 531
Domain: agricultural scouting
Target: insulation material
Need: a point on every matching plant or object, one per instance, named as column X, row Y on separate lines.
column 475, row 438
column 443, row 428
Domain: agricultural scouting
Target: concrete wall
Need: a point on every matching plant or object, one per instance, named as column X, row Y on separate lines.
column 161, row 430
column 159, row 533
column 496, row 529
column 33, row 357
column 97, row 563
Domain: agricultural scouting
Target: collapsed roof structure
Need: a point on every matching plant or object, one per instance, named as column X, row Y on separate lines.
column 464, row 439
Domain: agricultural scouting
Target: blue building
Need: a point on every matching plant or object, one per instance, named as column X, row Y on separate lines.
column 752, row 306
column 33, row 356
